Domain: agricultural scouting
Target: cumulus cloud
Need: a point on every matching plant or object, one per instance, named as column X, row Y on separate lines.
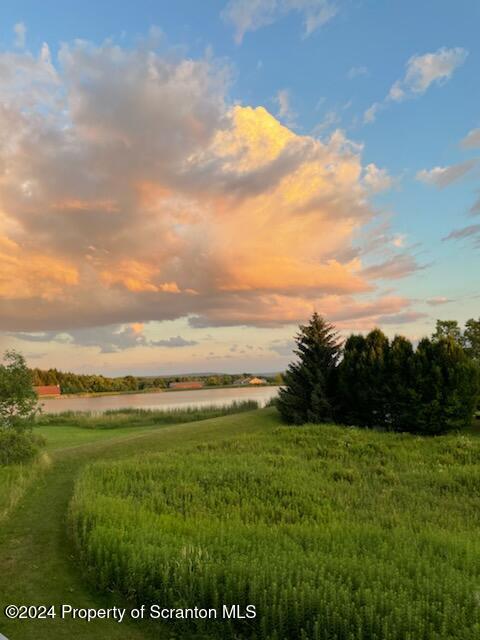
column 376, row 180
column 250, row 15
column 444, row 176
column 472, row 140
column 133, row 191
column 422, row 71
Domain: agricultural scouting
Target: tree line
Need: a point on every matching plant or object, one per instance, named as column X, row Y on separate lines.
column 370, row 381
column 93, row 383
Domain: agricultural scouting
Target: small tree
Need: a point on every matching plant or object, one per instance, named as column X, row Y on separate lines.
column 307, row 395
column 18, row 400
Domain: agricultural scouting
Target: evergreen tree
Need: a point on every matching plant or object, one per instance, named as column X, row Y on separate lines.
column 403, row 397
column 352, row 407
column 307, row 395
column 363, row 381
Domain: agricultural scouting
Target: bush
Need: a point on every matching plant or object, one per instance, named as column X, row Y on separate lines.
column 18, row 446
column 18, row 400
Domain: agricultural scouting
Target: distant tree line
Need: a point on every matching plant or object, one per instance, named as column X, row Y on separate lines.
column 91, row 383
column 370, row 381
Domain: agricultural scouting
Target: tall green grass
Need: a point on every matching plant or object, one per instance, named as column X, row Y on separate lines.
column 15, row 480
column 332, row 533
column 131, row 417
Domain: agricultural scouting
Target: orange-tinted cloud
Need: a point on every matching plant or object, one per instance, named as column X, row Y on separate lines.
column 132, row 191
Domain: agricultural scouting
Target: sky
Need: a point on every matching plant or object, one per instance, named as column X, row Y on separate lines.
column 182, row 184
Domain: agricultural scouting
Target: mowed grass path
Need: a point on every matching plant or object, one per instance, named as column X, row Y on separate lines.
column 37, row 564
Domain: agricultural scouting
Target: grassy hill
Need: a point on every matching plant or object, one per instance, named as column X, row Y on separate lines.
column 344, row 533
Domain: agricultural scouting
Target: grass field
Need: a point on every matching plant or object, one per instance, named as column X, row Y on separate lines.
column 365, row 534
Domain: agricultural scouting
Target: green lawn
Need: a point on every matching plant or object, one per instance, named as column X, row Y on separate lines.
column 390, row 520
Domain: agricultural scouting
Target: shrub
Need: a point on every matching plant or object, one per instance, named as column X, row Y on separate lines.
column 18, row 400
column 18, row 446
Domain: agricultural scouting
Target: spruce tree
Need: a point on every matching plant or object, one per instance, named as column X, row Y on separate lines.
column 363, row 380
column 352, row 405
column 403, row 396
column 308, row 394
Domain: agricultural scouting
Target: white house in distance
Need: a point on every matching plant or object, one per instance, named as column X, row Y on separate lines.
column 251, row 380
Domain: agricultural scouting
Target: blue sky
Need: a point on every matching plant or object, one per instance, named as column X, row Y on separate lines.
column 317, row 66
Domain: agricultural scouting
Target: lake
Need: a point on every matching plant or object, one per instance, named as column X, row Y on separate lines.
column 160, row 400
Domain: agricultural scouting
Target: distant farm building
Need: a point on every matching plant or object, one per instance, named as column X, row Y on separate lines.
column 251, row 380
column 48, row 390
column 192, row 384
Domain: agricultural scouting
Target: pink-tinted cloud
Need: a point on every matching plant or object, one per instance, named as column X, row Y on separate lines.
column 131, row 190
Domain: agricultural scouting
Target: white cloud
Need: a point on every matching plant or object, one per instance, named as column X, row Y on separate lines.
column 422, row 71
column 425, row 70
column 376, row 179
column 20, row 31
column 250, row 15
column 443, row 176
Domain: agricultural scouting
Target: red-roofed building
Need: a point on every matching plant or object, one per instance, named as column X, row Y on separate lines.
column 48, row 390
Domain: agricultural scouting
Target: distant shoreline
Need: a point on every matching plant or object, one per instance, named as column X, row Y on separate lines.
column 97, row 394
